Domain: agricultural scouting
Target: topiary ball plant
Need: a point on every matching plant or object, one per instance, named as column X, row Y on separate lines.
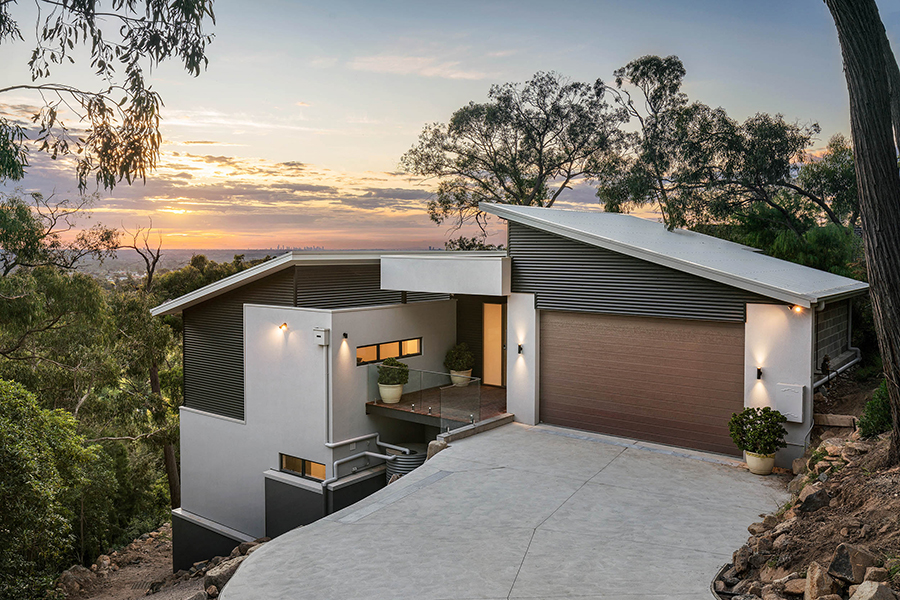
column 758, row 430
column 459, row 358
column 393, row 372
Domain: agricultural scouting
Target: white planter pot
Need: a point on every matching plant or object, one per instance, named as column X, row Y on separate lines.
column 390, row 394
column 760, row 464
column 461, row 378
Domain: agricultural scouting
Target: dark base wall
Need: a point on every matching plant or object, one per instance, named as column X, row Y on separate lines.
column 341, row 497
column 289, row 507
column 192, row 542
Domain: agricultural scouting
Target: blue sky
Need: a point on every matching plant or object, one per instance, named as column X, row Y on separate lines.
column 306, row 107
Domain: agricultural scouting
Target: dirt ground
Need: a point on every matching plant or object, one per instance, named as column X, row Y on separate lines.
column 136, row 567
column 845, row 395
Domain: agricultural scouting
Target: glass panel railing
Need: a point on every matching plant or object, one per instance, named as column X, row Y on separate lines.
column 460, row 403
column 453, row 401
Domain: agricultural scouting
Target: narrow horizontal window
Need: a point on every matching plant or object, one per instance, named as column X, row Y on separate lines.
column 378, row 352
column 302, row 467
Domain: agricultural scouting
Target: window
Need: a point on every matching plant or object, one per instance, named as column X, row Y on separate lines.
column 302, row 467
column 378, row 352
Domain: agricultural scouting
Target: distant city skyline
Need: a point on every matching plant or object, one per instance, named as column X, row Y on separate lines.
column 293, row 134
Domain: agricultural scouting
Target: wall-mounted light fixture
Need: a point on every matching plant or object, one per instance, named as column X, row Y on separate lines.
column 520, row 348
column 345, row 335
column 798, row 308
column 283, row 327
column 759, row 372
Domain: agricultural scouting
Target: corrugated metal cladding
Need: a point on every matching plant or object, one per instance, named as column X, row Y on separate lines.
column 214, row 330
column 569, row 275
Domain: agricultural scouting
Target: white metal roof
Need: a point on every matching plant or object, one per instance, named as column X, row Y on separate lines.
column 702, row 255
column 343, row 257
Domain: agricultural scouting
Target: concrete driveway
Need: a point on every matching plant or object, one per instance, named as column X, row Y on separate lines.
column 525, row 512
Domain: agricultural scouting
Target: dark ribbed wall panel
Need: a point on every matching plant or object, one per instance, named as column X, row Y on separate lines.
column 214, row 344
column 214, row 330
column 469, row 317
column 568, row 275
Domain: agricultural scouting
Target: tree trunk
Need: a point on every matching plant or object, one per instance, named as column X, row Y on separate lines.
column 168, row 450
column 860, row 32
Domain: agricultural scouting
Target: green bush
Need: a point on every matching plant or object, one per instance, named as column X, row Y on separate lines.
column 876, row 417
column 758, row 430
column 459, row 358
column 393, row 372
column 43, row 462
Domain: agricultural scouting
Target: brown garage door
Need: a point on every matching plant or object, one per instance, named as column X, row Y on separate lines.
column 663, row 380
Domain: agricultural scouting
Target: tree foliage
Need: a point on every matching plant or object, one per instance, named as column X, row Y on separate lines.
column 697, row 165
column 524, row 146
column 44, row 463
column 117, row 133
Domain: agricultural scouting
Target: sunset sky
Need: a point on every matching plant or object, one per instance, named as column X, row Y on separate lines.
column 293, row 134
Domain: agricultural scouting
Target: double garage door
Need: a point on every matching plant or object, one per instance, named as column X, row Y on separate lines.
column 662, row 380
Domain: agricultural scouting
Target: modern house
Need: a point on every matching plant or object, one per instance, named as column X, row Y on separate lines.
column 595, row 321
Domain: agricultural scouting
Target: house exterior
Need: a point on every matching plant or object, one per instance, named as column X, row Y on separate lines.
column 591, row 320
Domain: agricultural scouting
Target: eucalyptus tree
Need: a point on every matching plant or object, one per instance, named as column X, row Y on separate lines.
column 695, row 163
column 524, row 146
column 116, row 132
column 873, row 80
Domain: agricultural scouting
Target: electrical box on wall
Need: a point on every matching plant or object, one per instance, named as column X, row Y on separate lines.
column 322, row 335
column 789, row 401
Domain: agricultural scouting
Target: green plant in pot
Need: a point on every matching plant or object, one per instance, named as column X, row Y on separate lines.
column 759, row 433
column 459, row 361
column 392, row 376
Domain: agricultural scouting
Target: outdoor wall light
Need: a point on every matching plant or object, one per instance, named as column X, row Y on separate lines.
column 283, row 327
column 345, row 335
column 759, row 372
column 798, row 308
column 520, row 348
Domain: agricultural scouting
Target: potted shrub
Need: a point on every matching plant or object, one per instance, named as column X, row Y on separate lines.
column 392, row 375
column 759, row 433
column 459, row 361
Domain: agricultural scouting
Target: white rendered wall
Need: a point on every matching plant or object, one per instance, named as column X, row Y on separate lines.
column 447, row 273
column 223, row 460
column 780, row 341
column 434, row 322
column 522, row 370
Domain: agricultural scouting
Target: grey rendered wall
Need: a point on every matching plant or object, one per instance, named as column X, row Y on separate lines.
column 213, row 330
column 568, row 275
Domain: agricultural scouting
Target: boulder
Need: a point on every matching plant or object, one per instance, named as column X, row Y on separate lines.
column 813, row 497
column 245, row 546
column 764, row 545
column 876, row 574
column 798, row 466
column 833, row 446
column 757, row 561
column 782, row 542
column 747, row 586
column 212, row 591
column 435, row 446
column 219, row 575
column 770, row 574
column 818, row 582
column 873, row 590
column 795, row 587
column 103, row 563
column 772, row 592
column 757, row 528
column 849, row 563
column 254, row 549
column 73, row 580
column 784, row 526
column 741, row 559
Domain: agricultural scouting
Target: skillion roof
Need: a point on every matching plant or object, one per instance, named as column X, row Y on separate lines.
column 702, row 255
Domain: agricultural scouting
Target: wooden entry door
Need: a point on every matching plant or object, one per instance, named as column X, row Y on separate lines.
column 494, row 344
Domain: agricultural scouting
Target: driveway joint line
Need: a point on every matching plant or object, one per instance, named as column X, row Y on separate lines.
column 519, row 570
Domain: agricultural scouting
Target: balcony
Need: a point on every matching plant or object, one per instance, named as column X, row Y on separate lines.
column 434, row 399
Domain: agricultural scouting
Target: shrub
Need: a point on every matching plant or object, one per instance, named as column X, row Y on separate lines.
column 393, row 372
column 876, row 417
column 459, row 358
column 758, row 430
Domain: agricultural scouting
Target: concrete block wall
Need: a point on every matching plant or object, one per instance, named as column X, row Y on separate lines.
column 832, row 331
